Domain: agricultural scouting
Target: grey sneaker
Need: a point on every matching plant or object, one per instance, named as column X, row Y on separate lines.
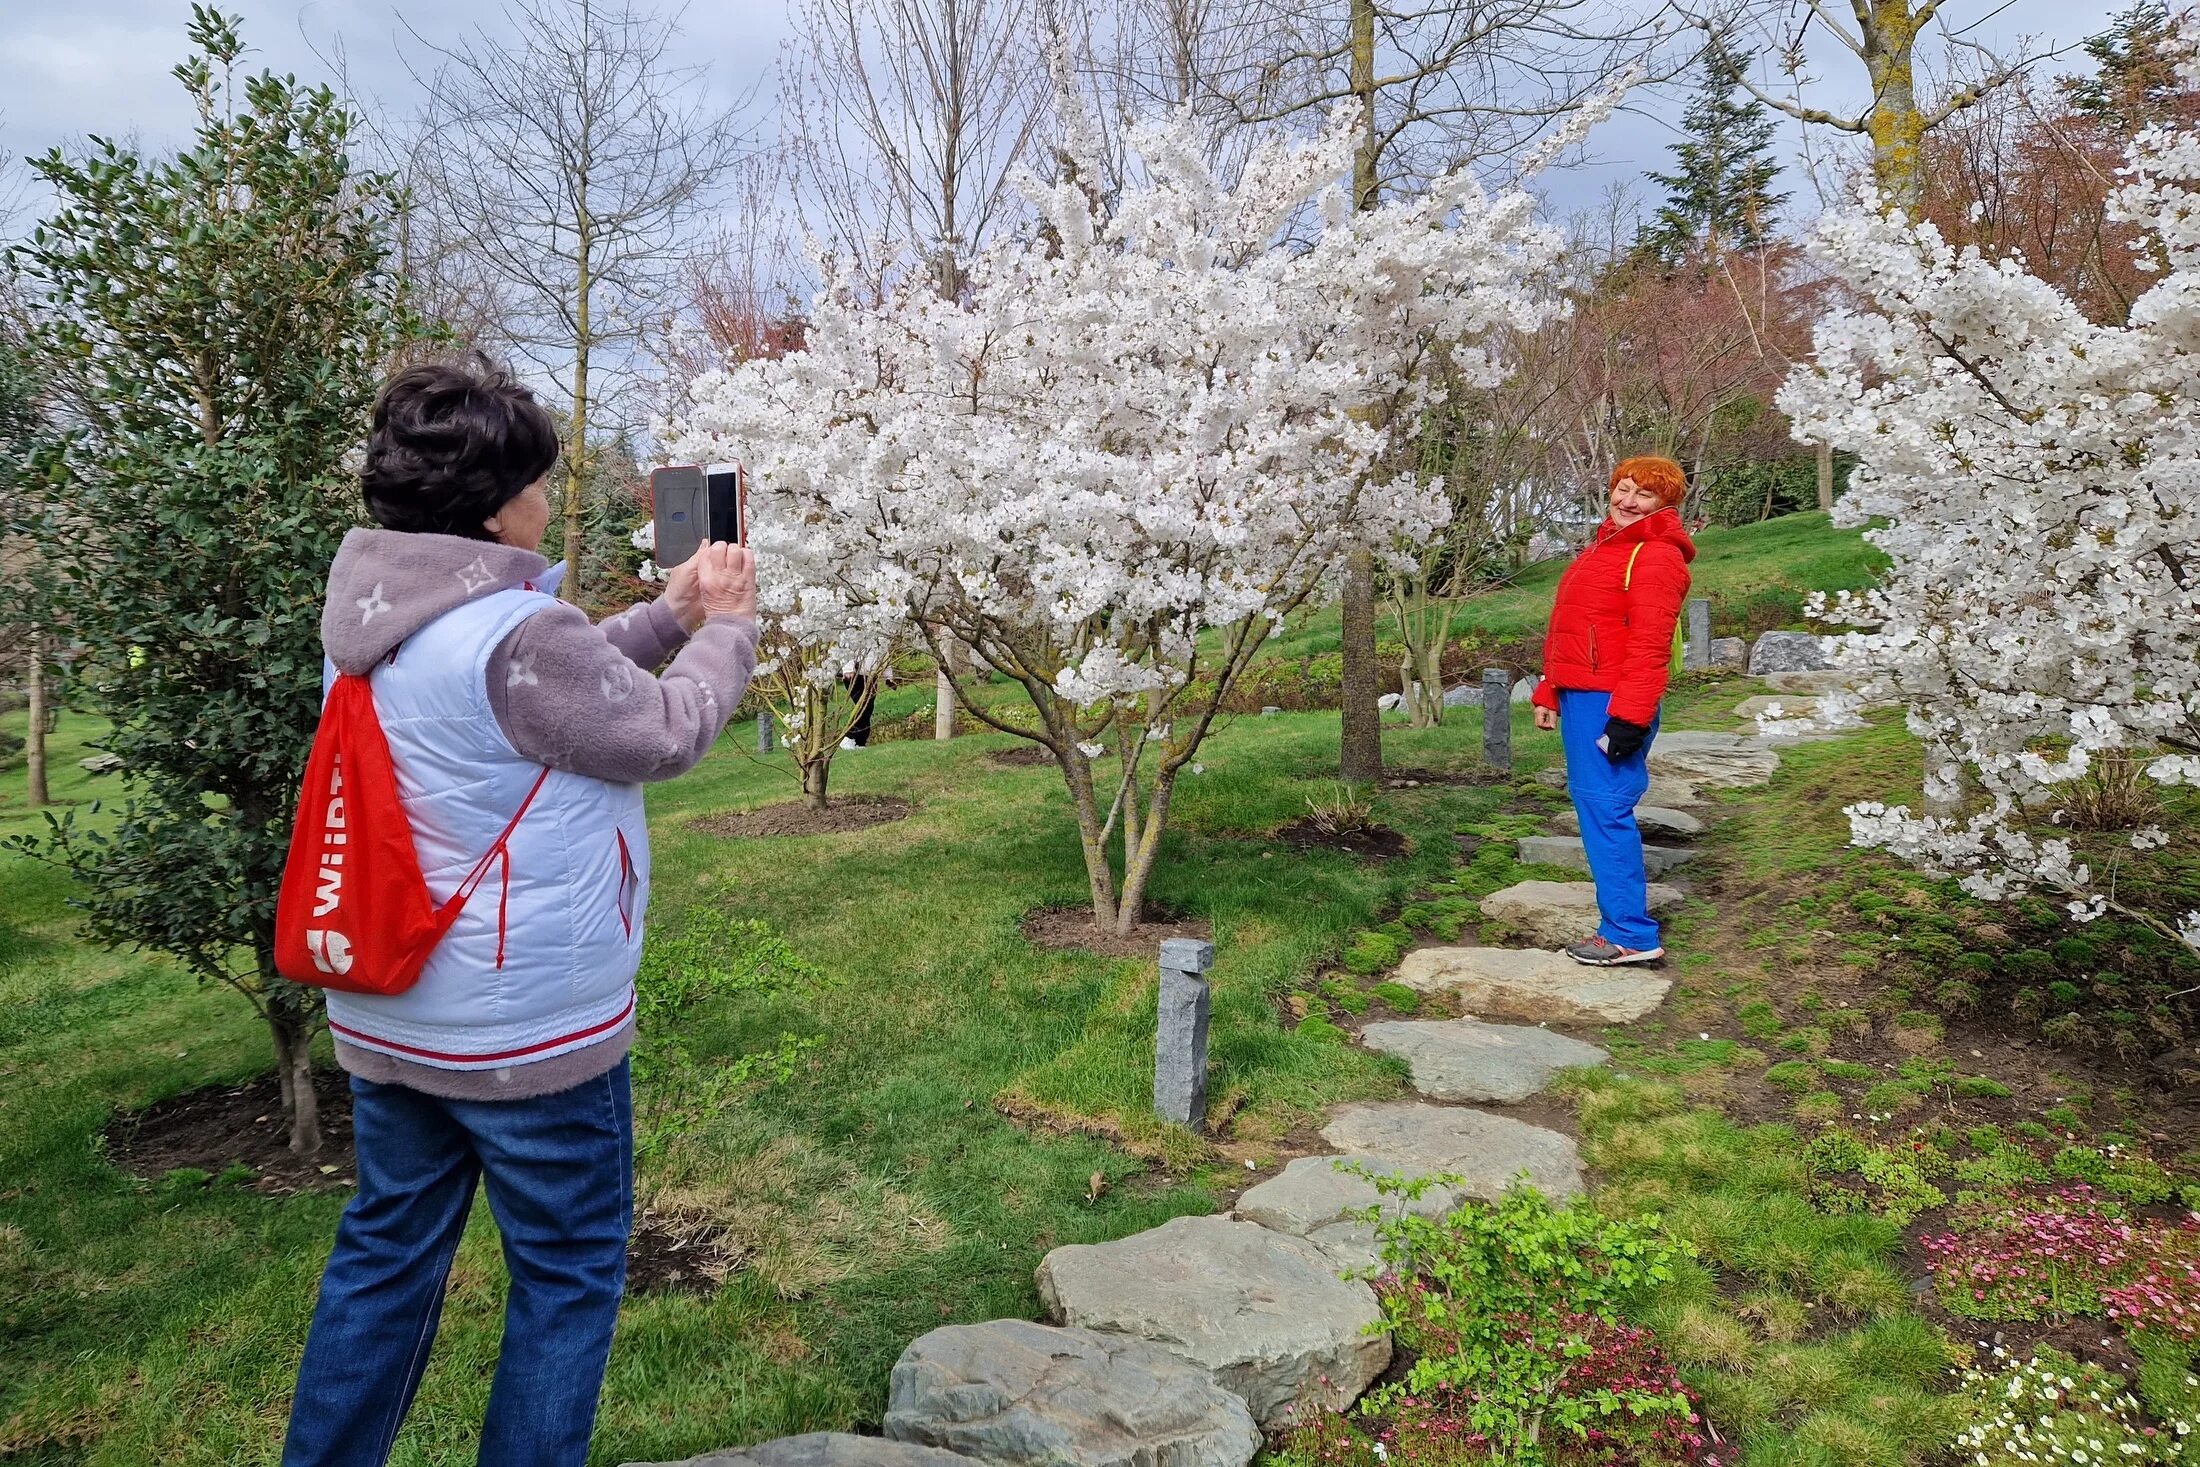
column 1597, row 953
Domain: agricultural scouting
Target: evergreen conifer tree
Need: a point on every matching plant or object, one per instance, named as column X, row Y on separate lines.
column 1720, row 196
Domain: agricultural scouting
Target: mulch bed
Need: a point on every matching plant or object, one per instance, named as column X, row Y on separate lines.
column 849, row 812
column 1070, row 929
column 220, row 1126
column 667, row 1255
column 1410, row 778
column 1023, row 756
column 1374, row 843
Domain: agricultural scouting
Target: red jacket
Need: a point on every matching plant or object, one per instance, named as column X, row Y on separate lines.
column 1612, row 624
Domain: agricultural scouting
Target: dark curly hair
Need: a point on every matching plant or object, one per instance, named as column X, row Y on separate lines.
column 452, row 442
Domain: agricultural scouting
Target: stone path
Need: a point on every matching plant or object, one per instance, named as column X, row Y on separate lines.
column 1567, row 852
column 1181, row 1345
column 1653, row 819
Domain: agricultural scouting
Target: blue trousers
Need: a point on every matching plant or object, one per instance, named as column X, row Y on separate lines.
column 560, row 1172
column 1605, row 795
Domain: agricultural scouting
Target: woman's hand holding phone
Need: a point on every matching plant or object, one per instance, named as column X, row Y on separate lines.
column 726, row 579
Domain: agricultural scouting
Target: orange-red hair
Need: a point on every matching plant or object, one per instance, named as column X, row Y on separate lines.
column 1661, row 476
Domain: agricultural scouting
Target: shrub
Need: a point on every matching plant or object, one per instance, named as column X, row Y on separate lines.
column 1512, row 1310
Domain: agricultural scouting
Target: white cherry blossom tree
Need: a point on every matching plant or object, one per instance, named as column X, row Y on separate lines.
column 1135, row 440
column 2034, row 480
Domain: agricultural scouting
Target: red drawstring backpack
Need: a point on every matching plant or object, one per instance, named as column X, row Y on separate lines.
column 354, row 912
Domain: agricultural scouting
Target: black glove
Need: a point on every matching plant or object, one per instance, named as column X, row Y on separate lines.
column 1622, row 740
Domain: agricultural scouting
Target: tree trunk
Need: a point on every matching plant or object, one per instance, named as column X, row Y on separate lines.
column 1825, row 475
column 35, row 745
column 943, row 705
column 1897, row 126
column 1360, row 750
column 292, row 1030
column 1138, row 866
column 576, row 450
column 815, row 773
column 1360, row 741
column 1077, row 772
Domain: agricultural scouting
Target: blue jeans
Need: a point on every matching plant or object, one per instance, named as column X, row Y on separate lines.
column 1605, row 795
column 560, row 1170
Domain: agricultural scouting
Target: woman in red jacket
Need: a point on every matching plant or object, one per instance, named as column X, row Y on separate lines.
column 1605, row 660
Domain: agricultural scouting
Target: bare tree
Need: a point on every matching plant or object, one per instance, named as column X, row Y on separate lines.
column 907, row 119
column 560, row 158
column 1883, row 36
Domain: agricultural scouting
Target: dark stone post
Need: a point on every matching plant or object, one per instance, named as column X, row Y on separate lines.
column 1497, row 718
column 1180, row 1033
column 763, row 733
column 1697, row 655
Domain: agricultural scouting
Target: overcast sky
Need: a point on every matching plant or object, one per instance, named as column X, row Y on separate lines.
column 72, row 67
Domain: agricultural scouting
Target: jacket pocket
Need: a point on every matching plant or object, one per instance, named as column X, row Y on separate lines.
column 1592, row 637
column 630, row 884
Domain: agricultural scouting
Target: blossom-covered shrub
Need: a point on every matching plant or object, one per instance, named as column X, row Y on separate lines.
column 2052, row 1411
column 2031, row 477
column 1136, row 438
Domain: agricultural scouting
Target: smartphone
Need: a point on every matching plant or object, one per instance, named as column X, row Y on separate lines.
column 695, row 505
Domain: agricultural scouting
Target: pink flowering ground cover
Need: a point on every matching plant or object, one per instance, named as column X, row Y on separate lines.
column 2070, row 1254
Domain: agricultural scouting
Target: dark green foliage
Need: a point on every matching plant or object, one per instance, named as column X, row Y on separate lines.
column 1719, row 196
column 216, row 323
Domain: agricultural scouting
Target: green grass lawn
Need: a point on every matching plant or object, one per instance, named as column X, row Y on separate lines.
column 874, row 1195
column 1754, row 575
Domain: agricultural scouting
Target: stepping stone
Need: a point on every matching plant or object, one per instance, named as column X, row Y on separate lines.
column 1655, row 819
column 1540, row 987
column 1555, row 913
column 1017, row 1392
column 1567, row 851
column 1466, row 1059
column 1712, row 760
column 822, row 1449
column 1312, row 1199
column 1664, row 792
column 1486, row 1151
column 1264, row 1314
column 1798, row 705
column 1810, row 683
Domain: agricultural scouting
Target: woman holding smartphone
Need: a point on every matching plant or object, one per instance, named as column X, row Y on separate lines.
column 1606, row 658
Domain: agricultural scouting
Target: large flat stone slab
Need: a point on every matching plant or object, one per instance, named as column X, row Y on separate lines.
column 1466, row 1059
column 1314, row 1200
column 1486, row 1151
column 823, row 1449
column 1017, row 1392
column 1263, row 1313
column 1664, row 792
column 1568, row 852
column 1712, row 760
column 1555, row 913
column 1798, row 705
column 1540, row 987
column 1652, row 819
column 1811, row 683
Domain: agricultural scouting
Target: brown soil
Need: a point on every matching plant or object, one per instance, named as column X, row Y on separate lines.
column 671, row 1255
column 1411, row 778
column 1070, row 929
column 1023, row 756
column 220, row 1126
column 849, row 812
column 1373, row 843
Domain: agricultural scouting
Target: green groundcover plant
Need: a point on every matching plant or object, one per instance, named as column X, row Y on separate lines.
column 1512, row 1312
column 2052, row 1411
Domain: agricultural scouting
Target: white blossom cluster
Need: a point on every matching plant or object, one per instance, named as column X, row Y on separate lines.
column 1152, row 418
column 2055, row 1412
column 2034, row 480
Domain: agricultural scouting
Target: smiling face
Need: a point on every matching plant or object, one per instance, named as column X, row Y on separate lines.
column 1630, row 502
